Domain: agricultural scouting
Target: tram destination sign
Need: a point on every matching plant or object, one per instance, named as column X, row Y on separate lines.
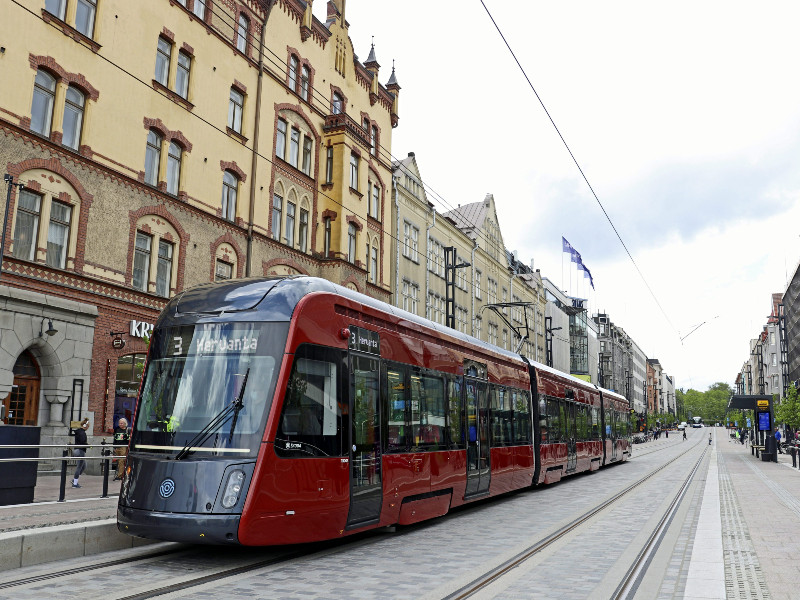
column 364, row 340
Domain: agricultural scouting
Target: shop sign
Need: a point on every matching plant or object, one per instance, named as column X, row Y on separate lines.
column 763, row 404
column 118, row 343
column 139, row 329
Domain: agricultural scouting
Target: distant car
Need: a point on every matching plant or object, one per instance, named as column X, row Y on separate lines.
column 682, row 425
column 697, row 425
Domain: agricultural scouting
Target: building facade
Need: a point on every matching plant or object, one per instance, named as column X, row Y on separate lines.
column 204, row 141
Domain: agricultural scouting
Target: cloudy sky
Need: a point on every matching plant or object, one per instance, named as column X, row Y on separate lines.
column 684, row 117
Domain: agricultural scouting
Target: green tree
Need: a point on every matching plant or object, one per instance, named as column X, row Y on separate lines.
column 788, row 411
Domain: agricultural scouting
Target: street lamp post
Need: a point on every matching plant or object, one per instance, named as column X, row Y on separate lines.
column 9, row 179
column 450, row 267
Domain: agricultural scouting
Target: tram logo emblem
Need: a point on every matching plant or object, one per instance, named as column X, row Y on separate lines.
column 166, row 488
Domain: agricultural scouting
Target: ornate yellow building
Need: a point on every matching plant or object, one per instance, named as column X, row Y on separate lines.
column 166, row 143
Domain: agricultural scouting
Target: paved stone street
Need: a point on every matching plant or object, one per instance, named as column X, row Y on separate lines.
column 732, row 536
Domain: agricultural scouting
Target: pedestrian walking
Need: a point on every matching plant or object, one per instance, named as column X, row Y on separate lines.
column 80, row 440
column 121, row 437
column 684, row 433
column 778, row 440
column 709, row 438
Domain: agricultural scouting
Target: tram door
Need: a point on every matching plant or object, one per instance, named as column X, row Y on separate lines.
column 572, row 435
column 614, row 428
column 365, row 454
column 477, row 413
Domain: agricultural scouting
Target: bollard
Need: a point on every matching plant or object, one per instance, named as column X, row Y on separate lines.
column 106, row 468
column 62, row 494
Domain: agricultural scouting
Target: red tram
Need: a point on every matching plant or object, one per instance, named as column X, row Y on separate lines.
column 287, row 410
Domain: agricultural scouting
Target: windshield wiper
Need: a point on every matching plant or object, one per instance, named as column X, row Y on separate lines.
column 237, row 406
column 215, row 422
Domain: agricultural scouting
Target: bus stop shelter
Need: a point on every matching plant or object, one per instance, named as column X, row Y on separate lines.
column 762, row 430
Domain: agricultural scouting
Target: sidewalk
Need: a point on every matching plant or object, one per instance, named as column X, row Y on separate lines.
column 47, row 530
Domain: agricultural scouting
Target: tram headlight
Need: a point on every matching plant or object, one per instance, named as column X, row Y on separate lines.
column 232, row 489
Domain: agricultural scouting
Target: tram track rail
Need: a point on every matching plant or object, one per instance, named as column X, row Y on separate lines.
column 633, row 576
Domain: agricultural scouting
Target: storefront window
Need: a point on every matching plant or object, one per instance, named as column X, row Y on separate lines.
column 129, row 373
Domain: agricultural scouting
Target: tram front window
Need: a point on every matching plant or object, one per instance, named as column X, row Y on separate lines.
column 207, row 389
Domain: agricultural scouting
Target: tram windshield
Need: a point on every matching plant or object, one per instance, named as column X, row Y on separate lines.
column 208, row 388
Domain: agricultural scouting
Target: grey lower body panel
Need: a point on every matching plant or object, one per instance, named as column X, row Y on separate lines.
column 179, row 527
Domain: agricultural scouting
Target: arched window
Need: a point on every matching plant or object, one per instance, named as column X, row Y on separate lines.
column 351, row 243
column 241, row 39
column 373, row 262
column 44, row 92
column 304, row 82
column 73, row 117
column 230, row 183
column 152, row 158
column 174, row 168
column 302, row 233
column 293, row 73
column 277, row 216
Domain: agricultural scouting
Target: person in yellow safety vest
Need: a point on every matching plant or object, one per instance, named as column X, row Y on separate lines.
column 172, row 423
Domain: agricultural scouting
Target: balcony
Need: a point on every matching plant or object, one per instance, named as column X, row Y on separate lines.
column 342, row 122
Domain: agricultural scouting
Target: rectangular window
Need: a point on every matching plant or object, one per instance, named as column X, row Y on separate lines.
column 84, row 17
column 397, row 405
column 374, row 141
column 374, row 266
column 58, row 234
column 329, row 165
column 427, row 412
column 303, row 233
column 327, row 240
column 27, row 229
column 280, row 142
column 307, row 147
column 235, row 108
column 311, row 422
column 163, row 54
column 164, row 268
column 477, row 284
column 141, row 261
column 294, row 147
column 182, row 75
column 223, row 271
column 173, row 168
column 56, row 7
column 290, row 208
column 200, row 8
column 277, row 212
column 354, row 171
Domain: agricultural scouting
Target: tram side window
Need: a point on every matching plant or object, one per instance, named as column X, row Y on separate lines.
column 554, row 421
column 522, row 417
column 595, row 423
column 502, row 416
column 455, row 415
column 543, row 420
column 427, row 412
column 580, row 419
column 396, row 410
column 311, row 420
